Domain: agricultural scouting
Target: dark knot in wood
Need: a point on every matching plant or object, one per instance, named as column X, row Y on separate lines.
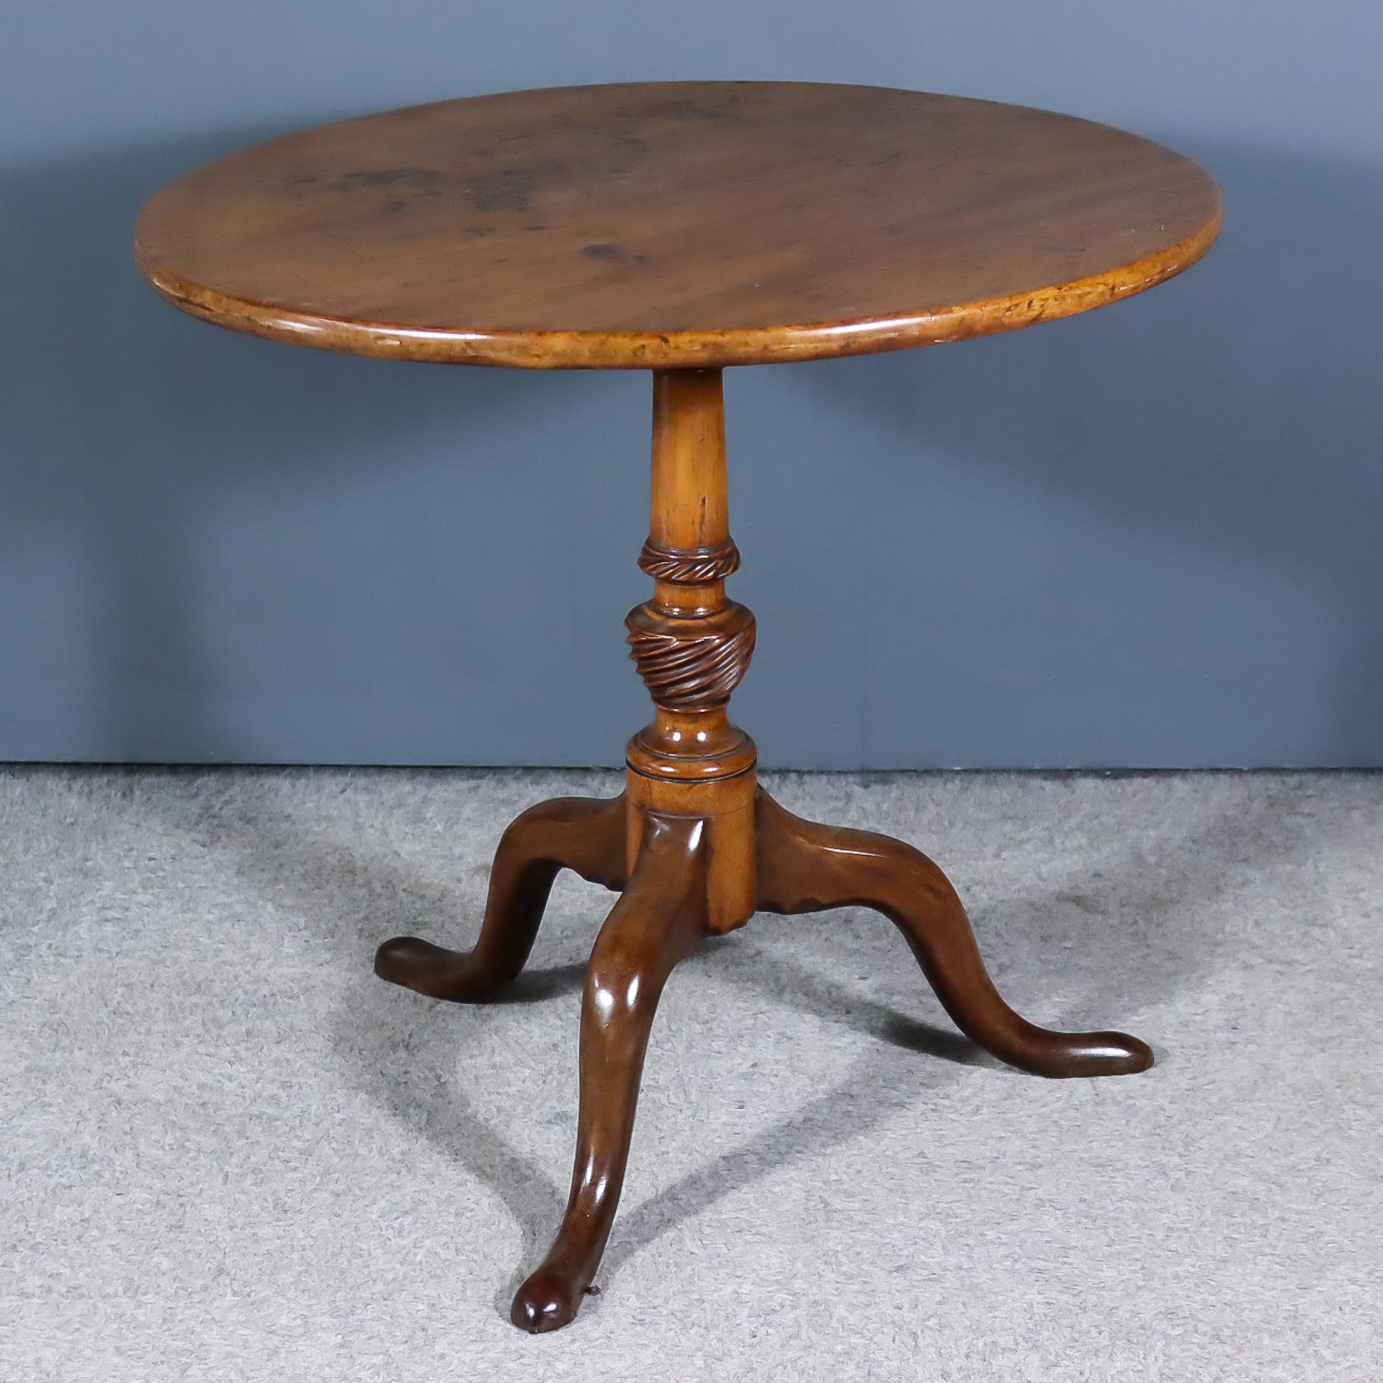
column 691, row 664
column 692, row 566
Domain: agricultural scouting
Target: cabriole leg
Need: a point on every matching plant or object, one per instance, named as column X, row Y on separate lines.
column 577, row 833
column 804, row 867
column 654, row 925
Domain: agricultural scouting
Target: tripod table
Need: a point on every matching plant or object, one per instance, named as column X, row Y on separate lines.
column 681, row 227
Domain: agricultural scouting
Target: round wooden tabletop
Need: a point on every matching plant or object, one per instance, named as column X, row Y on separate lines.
column 667, row 224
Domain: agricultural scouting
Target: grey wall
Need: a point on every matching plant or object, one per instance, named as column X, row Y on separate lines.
column 1147, row 536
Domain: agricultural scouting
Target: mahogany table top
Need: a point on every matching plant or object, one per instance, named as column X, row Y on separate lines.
column 667, row 224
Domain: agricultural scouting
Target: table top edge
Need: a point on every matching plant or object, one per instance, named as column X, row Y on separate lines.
column 691, row 349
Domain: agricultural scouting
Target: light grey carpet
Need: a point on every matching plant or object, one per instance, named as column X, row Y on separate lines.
column 231, row 1153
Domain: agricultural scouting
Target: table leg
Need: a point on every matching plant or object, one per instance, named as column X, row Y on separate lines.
column 805, row 867
column 655, row 924
column 577, row 833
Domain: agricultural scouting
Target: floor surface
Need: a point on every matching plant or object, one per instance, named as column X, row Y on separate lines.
column 232, row 1153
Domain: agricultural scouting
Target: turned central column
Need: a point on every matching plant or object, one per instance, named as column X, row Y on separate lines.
column 693, row 646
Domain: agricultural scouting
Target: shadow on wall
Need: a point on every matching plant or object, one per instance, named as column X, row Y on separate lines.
column 1241, row 405
column 1237, row 408
column 127, row 430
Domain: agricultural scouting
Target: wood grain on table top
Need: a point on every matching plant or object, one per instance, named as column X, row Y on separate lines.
column 674, row 224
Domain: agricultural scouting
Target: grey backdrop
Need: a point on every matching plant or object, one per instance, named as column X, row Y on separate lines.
column 1147, row 536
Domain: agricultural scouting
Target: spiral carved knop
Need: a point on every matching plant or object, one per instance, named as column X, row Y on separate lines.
column 691, row 664
column 693, row 566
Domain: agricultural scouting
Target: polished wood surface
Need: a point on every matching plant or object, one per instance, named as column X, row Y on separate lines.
column 586, row 836
column 805, row 867
column 692, row 646
column 683, row 227
column 658, row 920
column 682, row 224
column 701, row 848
